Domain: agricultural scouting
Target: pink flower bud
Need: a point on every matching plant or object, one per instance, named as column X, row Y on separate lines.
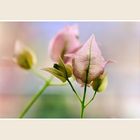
column 65, row 42
column 88, row 57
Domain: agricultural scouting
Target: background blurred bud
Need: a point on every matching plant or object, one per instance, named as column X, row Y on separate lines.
column 65, row 42
column 24, row 56
column 100, row 83
column 88, row 57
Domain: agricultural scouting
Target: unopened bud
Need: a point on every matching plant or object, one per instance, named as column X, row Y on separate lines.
column 24, row 56
column 100, row 83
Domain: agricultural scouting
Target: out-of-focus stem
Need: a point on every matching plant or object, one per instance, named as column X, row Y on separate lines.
column 34, row 98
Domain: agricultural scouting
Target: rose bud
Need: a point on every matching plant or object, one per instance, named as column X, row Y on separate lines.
column 24, row 56
column 88, row 59
column 65, row 42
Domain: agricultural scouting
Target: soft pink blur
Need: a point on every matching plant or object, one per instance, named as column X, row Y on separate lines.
column 12, row 77
column 66, row 41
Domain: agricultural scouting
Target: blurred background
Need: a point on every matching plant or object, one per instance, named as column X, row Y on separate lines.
column 119, row 41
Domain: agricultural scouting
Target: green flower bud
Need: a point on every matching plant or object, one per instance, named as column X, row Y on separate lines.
column 100, row 83
column 61, row 71
column 24, row 56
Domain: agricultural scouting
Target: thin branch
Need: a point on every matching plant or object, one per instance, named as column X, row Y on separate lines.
column 91, row 99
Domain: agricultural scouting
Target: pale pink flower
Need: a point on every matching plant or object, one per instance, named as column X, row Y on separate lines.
column 88, row 57
column 65, row 42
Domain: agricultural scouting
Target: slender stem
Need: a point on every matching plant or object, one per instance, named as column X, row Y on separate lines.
column 86, row 81
column 34, row 98
column 83, row 101
column 67, row 78
column 91, row 99
column 85, row 90
column 82, row 111
column 74, row 90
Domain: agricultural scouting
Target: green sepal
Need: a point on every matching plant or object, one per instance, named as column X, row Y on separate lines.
column 100, row 83
column 56, row 73
column 66, row 68
column 25, row 60
column 61, row 71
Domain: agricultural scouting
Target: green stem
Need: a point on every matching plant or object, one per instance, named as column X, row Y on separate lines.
column 67, row 78
column 86, row 81
column 74, row 90
column 83, row 102
column 34, row 98
column 84, row 96
column 91, row 99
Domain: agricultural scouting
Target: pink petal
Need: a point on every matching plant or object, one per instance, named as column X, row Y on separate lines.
column 81, row 61
column 64, row 42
